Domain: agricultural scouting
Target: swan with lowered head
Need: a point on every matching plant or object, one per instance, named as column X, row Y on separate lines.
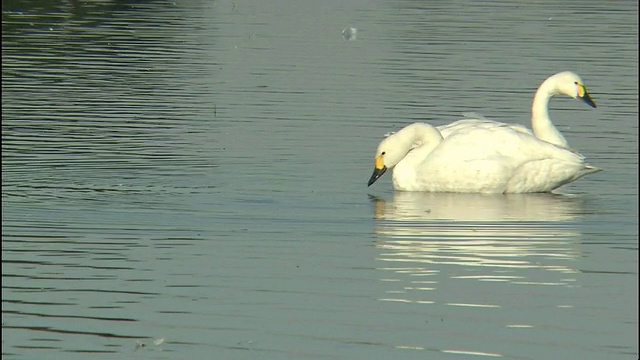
column 565, row 83
column 488, row 157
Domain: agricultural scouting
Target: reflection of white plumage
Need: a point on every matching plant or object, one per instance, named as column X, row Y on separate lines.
column 487, row 157
column 420, row 208
column 566, row 83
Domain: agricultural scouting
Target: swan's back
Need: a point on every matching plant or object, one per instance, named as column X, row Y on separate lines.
column 497, row 158
column 475, row 121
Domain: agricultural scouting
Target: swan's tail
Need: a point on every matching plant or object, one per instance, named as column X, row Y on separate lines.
column 588, row 169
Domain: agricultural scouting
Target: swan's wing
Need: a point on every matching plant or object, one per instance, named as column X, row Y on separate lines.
column 513, row 141
column 498, row 158
column 475, row 120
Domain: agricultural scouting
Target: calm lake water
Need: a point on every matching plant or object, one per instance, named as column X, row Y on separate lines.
column 188, row 180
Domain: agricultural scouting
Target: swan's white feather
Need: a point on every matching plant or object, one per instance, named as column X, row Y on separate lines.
column 482, row 157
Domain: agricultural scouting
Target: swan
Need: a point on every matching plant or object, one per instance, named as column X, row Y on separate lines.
column 566, row 83
column 486, row 158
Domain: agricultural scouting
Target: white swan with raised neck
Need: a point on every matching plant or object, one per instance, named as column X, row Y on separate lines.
column 565, row 83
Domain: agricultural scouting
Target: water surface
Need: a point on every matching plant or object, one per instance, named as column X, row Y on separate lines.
column 188, row 179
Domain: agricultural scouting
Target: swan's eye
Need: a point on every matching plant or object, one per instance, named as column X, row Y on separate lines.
column 575, row 82
column 384, row 152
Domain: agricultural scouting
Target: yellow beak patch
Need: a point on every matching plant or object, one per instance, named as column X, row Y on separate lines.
column 581, row 90
column 379, row 162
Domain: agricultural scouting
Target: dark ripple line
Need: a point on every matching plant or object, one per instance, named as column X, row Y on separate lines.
column 69, row 265
column 35, row 348
column 68, row 316
column 66, row 278
column 47, row 239
column 61, row 331
column 39, row 303
column 100, row 291
column 608, row 272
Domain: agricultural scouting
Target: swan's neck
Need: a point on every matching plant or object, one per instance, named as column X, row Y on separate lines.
column 426, row 137
column 422, row 140
column 541, row 124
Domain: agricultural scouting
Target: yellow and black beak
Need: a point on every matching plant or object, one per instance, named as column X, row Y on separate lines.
column 378, row 171
column 584, row 96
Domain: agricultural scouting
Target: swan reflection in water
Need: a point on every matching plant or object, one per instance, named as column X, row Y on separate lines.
column 425, row 206
column 497, row 238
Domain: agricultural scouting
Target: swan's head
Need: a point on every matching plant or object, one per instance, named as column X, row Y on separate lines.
column 395, row 147
column 570, row 84
column 384, row 160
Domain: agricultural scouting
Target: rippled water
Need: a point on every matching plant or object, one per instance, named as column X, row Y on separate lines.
column 188, row 179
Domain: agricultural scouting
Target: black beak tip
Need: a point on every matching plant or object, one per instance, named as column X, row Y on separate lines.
column 589, row 101
column 377, row 173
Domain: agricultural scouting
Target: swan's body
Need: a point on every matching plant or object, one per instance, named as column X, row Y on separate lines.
column 485, row 158
column 566, row 83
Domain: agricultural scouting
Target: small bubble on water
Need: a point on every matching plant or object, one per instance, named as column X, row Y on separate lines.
column 349, row 33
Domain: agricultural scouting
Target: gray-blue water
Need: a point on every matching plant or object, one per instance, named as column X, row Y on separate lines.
column 188, row 180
